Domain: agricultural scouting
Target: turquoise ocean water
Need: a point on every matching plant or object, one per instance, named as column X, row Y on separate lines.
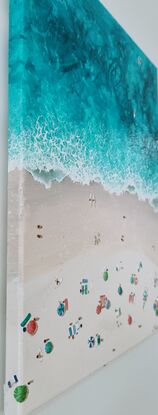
column 83, row 98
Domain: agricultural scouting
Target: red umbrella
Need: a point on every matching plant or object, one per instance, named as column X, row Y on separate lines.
column 32, row 327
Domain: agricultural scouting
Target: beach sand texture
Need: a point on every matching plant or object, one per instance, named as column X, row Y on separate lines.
column 57, row 237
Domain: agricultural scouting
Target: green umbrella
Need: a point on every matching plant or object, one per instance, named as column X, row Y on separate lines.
column 21, row 393
column 132, row 279
column 105, row 275
column 120, row 290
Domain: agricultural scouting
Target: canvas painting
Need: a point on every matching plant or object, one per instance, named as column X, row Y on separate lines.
column 82, row 283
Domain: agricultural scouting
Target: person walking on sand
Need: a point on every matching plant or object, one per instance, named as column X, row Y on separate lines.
column 94, row 200
column 99, row 238
column 90, row 199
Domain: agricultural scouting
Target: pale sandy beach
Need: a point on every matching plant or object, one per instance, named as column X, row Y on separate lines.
column 62, row 235
column 70, row 223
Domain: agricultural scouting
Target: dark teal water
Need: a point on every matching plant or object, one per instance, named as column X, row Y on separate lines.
column 83, row 98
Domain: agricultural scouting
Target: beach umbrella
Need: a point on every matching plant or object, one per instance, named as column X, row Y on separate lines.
column 21, row 393
column 132, row 279
column 120, row 290
column 91, row 342
column 32, row 327
column 105, row 275
column 49, row 347
column 61, row 309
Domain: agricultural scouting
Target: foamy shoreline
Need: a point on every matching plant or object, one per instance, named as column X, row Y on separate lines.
column 47, row 178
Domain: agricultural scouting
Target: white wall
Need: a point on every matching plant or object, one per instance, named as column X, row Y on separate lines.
column 129, row 385
column 140, row 19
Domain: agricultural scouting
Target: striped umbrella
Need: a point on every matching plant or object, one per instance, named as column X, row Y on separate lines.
column 91, row 342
